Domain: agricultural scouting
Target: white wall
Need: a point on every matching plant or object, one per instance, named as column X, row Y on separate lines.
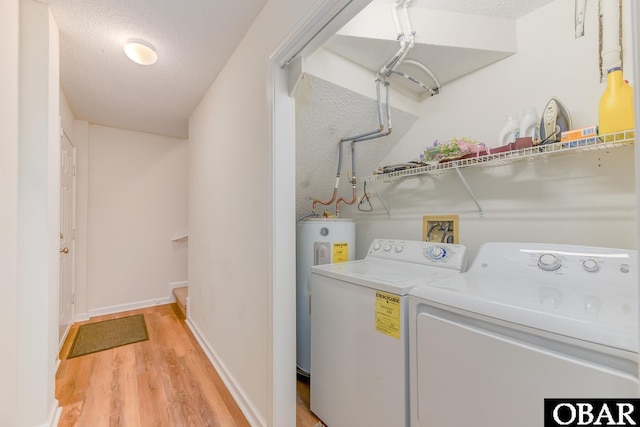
column 587, row 199
column 229, row 222
column 137, row 189
column 9, row 210
column 231, row 236
column 38, row 215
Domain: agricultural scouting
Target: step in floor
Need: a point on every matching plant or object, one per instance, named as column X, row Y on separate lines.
column 181, row 294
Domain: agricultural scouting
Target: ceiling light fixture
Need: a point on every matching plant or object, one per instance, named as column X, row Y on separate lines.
column 140, row 52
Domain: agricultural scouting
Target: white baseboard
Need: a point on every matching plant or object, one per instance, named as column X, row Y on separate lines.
column 246, row 406
column 55, row 419
column 81, row 317
column 173, row 285
column 54, row 415
column 64, row 338
column 126, row 307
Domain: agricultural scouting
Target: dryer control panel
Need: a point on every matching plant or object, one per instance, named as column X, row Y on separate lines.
column 550, row 263
column 443, row 255
column 594, row 284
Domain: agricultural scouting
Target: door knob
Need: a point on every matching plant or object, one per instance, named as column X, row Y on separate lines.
column 64, row 250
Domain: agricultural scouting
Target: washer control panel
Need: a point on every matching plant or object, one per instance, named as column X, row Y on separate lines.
column 426, row 253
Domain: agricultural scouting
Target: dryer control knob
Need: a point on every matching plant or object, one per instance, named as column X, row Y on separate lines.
column 549, row 262
column 376, row 246
column 437, row 252
column 387, row 247
column 398, row 249
column 590, row 265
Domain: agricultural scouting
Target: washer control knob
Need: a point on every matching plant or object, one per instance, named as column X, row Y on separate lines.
column 624, row 268
column 592, row 304
column 376, row 246
column 387, row 247
column 590, row 265
column 549, row 262
column 397, row 249
column 437, row 252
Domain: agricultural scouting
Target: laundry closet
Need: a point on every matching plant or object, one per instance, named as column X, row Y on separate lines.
column 581, row 198
column 484, row 79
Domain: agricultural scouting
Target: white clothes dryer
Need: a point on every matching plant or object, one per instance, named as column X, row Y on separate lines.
column 359, row 342
column 525, row 323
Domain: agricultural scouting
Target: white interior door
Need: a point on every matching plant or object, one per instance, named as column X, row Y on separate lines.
column 67, row 238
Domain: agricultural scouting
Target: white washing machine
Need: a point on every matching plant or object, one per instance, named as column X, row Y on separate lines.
column 525, row 323
column 359, row 342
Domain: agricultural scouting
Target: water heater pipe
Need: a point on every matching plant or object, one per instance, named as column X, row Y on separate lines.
column 335, row 188
column 348, row 202
column 414, row 80
column 383, row 74
column 352, row 180
column 408, row 31
column 401, row 37
column 426, row 70
column 381, row 132
column 380, row 124
column 406, row 36
column 396, row 20
column 361, row 137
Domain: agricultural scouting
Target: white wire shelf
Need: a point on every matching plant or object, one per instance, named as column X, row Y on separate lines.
column 601, row 142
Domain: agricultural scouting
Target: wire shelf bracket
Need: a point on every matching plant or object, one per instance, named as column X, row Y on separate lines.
column 473, row 196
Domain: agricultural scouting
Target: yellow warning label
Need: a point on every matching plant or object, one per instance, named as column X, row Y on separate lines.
column 388, row 314
column 340, row 252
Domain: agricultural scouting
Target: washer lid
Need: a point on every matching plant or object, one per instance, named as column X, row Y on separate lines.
column 605, row 314
column 389, row 276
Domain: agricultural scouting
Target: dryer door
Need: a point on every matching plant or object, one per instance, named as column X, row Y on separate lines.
column 467, row 375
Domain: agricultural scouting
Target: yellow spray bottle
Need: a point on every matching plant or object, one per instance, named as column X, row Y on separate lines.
column 616, row 105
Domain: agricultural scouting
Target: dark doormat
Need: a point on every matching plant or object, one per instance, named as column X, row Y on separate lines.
column 94, row 337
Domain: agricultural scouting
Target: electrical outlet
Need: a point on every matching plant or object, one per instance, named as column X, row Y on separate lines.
column 440, row 228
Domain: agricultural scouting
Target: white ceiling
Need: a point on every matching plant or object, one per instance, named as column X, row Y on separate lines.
column 193, row 39
column 507, row 9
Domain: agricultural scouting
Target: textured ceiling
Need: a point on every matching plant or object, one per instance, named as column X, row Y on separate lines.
column 193, row 40
column 325, row 113
column 507, row 9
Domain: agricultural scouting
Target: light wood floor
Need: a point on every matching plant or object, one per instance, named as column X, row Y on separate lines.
column 304, row 416
column 165, row 381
